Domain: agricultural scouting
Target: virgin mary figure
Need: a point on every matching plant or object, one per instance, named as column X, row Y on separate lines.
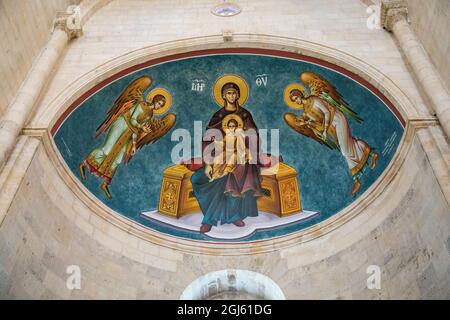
column 228, row 193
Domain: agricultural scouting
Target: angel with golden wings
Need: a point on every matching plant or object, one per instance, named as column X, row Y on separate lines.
column 130, row 125
column 325, row 119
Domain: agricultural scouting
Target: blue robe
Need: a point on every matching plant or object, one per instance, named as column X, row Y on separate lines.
column 234, row 196
column 218, row 205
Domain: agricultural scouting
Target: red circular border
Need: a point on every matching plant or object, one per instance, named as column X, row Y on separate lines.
column 270, row 52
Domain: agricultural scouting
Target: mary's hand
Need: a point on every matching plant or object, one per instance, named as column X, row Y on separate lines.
column 208, row 171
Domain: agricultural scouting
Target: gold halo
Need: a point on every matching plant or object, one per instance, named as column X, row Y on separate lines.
column 166, row 95
column 287, row 91
column 240, row 123
column 240, row 82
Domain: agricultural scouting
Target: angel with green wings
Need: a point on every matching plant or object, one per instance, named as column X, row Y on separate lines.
column 325, row 119
column 130, row 124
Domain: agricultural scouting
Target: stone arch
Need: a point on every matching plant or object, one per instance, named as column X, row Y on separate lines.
column 232, row 284
column 73, row 94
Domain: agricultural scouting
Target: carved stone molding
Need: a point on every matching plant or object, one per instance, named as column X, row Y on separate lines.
column 69, row 21
column 392, row 11
column 227, row 35
column 48, row 116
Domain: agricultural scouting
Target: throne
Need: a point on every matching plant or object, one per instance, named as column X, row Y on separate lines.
column 281, row 195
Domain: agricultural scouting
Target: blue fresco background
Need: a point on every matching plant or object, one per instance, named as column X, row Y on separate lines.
column 323, row 175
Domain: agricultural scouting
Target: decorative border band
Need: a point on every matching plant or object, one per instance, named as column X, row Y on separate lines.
column 199, row 53
column 51, row 118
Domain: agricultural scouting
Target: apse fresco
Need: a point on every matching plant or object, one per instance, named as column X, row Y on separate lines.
column 229, row 146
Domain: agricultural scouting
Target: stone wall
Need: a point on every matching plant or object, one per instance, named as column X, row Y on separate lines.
column 341, row 25
column 431, row 22
column 26, row 27
column 405, row 232
column 47, row 227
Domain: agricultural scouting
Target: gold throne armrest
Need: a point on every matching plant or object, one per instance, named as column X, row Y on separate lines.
column 281, row 192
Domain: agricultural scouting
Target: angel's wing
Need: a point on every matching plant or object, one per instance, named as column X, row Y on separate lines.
column 307, row 131
column 321, row 88
column 129, row 96
column 159, row 127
